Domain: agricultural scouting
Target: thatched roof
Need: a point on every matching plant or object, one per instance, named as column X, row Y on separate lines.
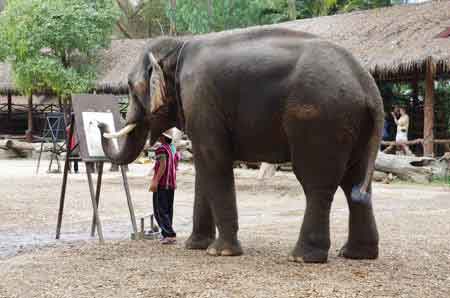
column 392, row 43
column 115, row 64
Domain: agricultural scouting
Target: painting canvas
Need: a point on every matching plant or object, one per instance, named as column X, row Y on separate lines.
column 92, row 132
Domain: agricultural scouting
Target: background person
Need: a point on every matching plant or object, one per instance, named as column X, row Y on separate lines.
column 402, row 123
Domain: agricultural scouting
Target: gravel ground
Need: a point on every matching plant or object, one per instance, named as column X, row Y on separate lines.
column 413, row 221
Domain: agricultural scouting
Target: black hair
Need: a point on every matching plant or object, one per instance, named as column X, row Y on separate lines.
column 167, row 140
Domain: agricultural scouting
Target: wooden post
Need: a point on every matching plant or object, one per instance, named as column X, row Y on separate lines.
column 64, row 184
column 415, row 89
column 428, row 124
column 89, row 167
column 97, row 195
column 29, row 132
column 9, row 106
column 130, row 203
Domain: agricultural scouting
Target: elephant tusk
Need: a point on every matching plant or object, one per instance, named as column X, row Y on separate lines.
column 124, row 131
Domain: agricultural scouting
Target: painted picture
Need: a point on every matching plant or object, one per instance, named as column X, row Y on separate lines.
column 93, row 138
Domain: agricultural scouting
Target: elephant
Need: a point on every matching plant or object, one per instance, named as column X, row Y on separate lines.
column 261, row 95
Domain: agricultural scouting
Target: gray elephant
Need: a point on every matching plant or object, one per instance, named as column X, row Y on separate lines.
column 272, row 95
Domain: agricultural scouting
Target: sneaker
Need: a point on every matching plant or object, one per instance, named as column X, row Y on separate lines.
column 168, row 240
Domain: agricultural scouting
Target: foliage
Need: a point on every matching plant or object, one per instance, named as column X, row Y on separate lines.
column 52, row 43
column 364, row 4
column 146, row 19
column 203, row 16
column 206, row 15
column 312, row 8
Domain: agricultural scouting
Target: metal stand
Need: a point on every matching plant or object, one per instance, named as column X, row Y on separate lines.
column 54, row 130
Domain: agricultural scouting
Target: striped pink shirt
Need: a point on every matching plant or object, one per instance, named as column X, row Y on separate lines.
column 169, row 178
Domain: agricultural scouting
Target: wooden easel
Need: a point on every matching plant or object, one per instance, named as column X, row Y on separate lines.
column 94, row 192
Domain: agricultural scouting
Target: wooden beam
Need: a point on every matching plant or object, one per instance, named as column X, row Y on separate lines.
column 428, row 124
column 29, row 132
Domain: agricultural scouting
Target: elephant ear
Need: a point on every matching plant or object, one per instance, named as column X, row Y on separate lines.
column 157, row 85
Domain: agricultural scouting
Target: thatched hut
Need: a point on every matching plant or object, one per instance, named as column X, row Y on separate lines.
column 115, row 64
column 401, row 43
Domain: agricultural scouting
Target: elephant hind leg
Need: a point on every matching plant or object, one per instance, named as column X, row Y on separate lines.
column 362, row 240
column 314, row 240
column 319, row 172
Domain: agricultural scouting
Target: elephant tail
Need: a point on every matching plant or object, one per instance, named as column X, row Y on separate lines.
column 361, row 193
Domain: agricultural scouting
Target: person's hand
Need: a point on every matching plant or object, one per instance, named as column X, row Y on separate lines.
column 153, row 186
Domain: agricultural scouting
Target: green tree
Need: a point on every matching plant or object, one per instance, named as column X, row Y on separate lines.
column 365, row 4
column 52, row 43
column 314, row 8
column 147, row 18
column 202, row 16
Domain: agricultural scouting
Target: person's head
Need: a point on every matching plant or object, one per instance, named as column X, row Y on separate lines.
column 165, row 140
column 395, row 109
column 166, row 137
column 402, row 111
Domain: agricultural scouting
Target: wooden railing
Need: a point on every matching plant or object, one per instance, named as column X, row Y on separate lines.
column 414, row 142
column 23, row 108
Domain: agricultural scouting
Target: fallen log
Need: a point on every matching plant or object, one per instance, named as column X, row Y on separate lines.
column 408, row 168
column 266, row 170
column 18, row 148
column 411, row 168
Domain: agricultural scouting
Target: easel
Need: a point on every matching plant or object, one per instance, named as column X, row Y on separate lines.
column 54, row 130
column 91, row 103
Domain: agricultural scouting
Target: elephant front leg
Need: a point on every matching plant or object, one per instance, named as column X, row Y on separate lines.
column 314, row 240
column 203, row 228
column 215, row 183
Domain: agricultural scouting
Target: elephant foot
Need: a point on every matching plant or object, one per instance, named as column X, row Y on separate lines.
column 198, row 242
column 221, row 248
column 310, row 255
column 359, row 252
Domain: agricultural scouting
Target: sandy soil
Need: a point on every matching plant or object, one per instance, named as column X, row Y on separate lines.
column 413, row 221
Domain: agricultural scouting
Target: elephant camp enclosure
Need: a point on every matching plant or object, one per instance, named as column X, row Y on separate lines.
column 413, row 222
column 398, row 44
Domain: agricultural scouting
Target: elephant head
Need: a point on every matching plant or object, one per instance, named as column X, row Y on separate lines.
column 152, row 102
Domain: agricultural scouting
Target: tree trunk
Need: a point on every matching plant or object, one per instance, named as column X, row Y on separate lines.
column 18, row 148
column 266, row 170
column 428, row 126
column 173, row 25
column 29, row 132
column 9, row 106
column 292, row 11
column 411, row 168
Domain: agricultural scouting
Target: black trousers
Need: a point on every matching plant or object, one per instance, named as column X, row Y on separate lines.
column 163, row 210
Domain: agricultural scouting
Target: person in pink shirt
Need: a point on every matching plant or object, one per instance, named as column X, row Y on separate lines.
column 163, row 187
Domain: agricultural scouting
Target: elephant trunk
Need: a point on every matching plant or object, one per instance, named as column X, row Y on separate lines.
column 130, row 145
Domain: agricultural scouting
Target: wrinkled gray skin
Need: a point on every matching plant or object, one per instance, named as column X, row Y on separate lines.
column 270, row 95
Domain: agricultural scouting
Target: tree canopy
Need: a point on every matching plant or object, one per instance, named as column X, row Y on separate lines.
column 52, row 43
column 203, row 16
column 148, row 18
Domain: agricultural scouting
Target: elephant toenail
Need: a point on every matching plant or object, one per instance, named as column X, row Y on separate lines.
column 227, row 252
column 212, row 251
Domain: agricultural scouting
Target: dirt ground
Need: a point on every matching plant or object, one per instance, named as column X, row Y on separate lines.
column 413, row 222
